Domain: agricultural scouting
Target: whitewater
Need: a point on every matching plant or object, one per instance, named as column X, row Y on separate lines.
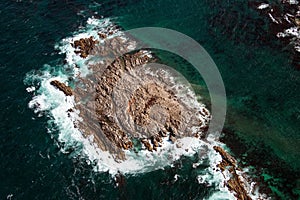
column 53, row 104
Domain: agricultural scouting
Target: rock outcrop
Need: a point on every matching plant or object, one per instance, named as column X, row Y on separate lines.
column 151, row 110
column 233, row 182
column 147, row 144
column 122, row 103
column 152, row 94
column 84, row 46
column 104, row 90
column 62, row 87
column 125, row 100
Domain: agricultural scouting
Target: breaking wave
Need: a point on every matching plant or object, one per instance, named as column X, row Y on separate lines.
column 54, row 104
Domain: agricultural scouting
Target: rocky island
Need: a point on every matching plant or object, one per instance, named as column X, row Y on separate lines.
column 126, row 102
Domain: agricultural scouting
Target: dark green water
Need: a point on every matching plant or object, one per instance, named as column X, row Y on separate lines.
column 262, row 127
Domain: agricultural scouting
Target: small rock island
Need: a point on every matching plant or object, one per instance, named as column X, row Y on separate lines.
column 124, row 103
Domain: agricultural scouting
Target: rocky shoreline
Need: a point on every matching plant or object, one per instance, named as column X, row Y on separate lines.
column 84, row 46
column 233, row 181
column 152, row 112
column 118, row 112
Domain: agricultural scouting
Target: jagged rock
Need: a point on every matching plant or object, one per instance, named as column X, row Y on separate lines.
column 204, row 129
column 102, row 35
column 162, row 133
column 158, row 139
column 150, row 110
column 101, row 120
column 226, row 156
column 85, row 46
column 172, row 138
column 127, row 145
column 104, row 91
column 233, row 182
column 62, row 87
column 152, row 94
column 147, row 144
column 154, row 142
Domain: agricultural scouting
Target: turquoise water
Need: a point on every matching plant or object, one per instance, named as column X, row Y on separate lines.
column 262, row 127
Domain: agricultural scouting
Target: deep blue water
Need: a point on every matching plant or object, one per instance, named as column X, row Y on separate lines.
column 262, row 127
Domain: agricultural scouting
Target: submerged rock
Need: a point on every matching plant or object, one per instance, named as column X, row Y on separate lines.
column 284, row 23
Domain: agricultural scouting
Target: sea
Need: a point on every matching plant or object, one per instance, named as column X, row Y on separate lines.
column 41, row 157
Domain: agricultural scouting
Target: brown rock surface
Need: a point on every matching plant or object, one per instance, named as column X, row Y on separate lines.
column 234, row 183
column 114, row 109
column 102, row 35
column 152, row 94
column 84, row 46
column 104, row 91
column 147, row 144
column 151, row 111
column 62, row 87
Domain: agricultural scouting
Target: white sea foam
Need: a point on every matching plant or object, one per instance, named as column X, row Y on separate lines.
column 292, row 32
column 291, row 1
column 212, row 175
column 93, row 27
column 263, row 6
column 30, row 89
column 272, row 18
column 48, row 99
